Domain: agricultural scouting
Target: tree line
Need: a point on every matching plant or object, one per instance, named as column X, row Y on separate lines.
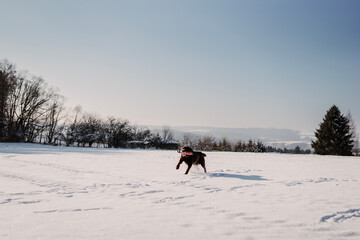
column 31, row 111
column 209, row 143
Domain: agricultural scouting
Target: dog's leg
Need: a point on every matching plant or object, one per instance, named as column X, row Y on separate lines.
column 178, row 165
column 188, row 169
column 203, row 165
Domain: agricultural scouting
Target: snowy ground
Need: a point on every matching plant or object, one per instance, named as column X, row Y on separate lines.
column 80, row 193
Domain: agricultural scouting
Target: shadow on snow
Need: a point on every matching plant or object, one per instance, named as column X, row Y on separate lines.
column 243, row 177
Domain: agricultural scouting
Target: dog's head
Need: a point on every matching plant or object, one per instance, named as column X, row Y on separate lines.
column 186, row 152
column 186, row 149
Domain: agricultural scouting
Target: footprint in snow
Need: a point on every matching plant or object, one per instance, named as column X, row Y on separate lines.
column 341, row 216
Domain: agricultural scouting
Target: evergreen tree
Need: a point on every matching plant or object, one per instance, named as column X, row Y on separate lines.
column 260, row 147
column 240, row 146
column 334, row 135
column 224, row 145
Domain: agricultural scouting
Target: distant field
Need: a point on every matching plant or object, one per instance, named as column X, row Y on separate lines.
column 81, row 193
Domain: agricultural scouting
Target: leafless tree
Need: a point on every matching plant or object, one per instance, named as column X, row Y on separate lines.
column 189, row 140
column 119, row 132
column 7, row 83
column 141, row 134
column 90, row 130
column 167, row 134
column 27, row 108
column 71, row 125
column 53, row 116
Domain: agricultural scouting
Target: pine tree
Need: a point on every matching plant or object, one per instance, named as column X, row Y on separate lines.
column 224, row 145
column 333, row 136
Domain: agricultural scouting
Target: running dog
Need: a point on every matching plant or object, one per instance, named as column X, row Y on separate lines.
column 190, row 157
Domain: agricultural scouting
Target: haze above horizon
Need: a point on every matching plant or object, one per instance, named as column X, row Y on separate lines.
column 233, row 64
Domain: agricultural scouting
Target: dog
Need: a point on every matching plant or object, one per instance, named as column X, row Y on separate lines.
column 190, row 157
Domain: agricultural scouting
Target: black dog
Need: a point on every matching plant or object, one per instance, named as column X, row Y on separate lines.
column 190, row 157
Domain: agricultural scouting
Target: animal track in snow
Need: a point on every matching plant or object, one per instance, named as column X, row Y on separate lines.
column 8, row 200
column 299, row 182
column 73, row 210
column 150, row 192
column 246, row 186
column 55, row 166
column 173, row 199
column 341, row 216
column 30, row 202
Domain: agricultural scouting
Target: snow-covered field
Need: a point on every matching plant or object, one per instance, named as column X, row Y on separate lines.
column 81, row 193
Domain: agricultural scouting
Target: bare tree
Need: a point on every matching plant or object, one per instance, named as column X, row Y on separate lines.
column 141, row 134
column 190, row 140
column 27, row 108
column 119, row 132
column 70, row 126
column 53, row 117
column 167, row 134
column 91, row 130
column 7, row 83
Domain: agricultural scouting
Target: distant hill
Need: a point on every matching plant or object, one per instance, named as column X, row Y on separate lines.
column 279, row 138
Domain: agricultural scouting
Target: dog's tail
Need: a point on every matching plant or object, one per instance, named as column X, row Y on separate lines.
column 204, row 155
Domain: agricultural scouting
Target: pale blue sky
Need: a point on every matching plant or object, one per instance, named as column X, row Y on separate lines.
column 269, row 63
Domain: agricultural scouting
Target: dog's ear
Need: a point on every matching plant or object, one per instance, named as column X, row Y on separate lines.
column 186, row 149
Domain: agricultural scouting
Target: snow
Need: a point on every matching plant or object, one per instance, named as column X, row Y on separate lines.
column 80, row 193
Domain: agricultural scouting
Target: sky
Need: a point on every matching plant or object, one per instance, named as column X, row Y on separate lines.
column 255, row 63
